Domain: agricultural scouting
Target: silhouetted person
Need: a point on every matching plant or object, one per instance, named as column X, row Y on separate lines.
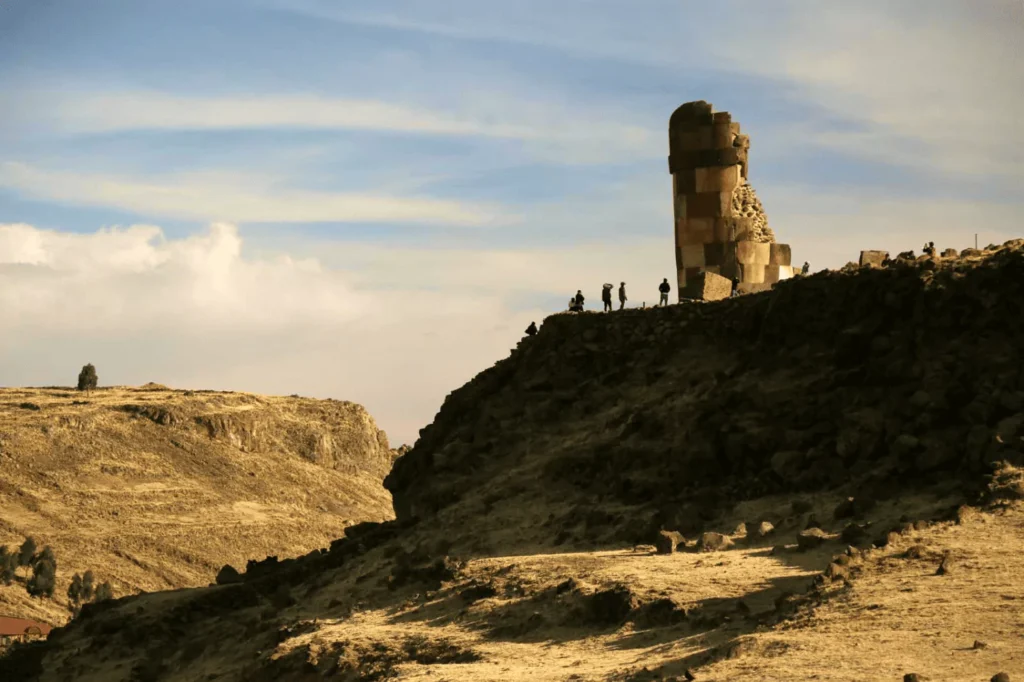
column 606, row 297
column 664, row 288
column 929, row 248
column 735, row 287
column 577, row 301
column 622, row 296
column 532, row 329
column 806, row 268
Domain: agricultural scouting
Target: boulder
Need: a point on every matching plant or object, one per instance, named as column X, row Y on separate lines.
column 854, row 534
column 837, row 572
column 713, row 542
column 875, row 258
column 611, row 606
column 811, row 538
column 708, row 286
column 228, row 575
column 667, row 541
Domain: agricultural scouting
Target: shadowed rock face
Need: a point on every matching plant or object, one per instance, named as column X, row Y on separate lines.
column 893, row 377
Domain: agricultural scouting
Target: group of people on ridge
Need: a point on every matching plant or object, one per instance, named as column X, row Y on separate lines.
column 576, row 302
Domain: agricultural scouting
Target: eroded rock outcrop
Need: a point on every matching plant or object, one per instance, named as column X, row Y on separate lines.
column 880, row 377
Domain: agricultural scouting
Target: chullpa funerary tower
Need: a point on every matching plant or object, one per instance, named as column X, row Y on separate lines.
column 720, row 225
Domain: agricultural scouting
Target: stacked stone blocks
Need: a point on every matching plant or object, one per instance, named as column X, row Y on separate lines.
column 708, row 162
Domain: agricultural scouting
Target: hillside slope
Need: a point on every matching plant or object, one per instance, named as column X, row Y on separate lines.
column 841, row 458
column 154, row 489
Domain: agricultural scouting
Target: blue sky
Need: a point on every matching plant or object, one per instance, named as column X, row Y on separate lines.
column 440, row 173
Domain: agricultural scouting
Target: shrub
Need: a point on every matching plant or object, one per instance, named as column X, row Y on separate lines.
column 27, row 551
column 88, row 585
column 46, row 554
column 8, row 565
column 87, row 379
column 43, row 580
column 75, row 589
column 104, row 592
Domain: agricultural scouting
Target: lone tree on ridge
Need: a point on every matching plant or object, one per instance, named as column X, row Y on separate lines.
column 87, row 378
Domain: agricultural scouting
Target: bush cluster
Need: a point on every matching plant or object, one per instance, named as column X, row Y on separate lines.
column 41, row 575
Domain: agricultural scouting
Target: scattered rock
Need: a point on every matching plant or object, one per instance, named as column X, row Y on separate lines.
column 475, row 593
column 667, row 541
column 946, row 567
column 873, row 258
column 811, row 538
column 713, row 542
column 1000, row 677
column 764, row 529
column 659, row 613
column 854, row 534
column 568, row 585
column 837, row 572
column 978, row 644
column 610, row 607
column 708, row 286
column 228, row 575
column 914, row 677
column 916, row 552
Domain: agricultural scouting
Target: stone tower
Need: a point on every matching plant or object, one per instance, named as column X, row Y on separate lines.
column 720, row 226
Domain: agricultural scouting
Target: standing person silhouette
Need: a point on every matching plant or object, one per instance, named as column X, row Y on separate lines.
column 579, row 301
column 606, row 297
column 664, row 288
column 622, row 295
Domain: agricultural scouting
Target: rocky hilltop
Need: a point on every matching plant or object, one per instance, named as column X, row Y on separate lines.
column 886, row 379
column 817, row 482
column 155, row 489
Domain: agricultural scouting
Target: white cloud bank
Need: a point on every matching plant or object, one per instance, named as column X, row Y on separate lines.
column 198, row 312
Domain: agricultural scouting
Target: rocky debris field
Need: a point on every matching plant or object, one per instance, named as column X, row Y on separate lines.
column 821, row 482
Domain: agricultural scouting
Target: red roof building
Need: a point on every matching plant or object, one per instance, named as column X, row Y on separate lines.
column 21, row 629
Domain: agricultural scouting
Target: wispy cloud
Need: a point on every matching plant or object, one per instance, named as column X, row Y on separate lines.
column 237, row 197
column 550, row 129
column 935, row 87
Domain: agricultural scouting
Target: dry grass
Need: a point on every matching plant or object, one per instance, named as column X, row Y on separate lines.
column 895, row 617
column 152, row 506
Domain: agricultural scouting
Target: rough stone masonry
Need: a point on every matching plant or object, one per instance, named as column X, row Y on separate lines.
column 720, row 225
